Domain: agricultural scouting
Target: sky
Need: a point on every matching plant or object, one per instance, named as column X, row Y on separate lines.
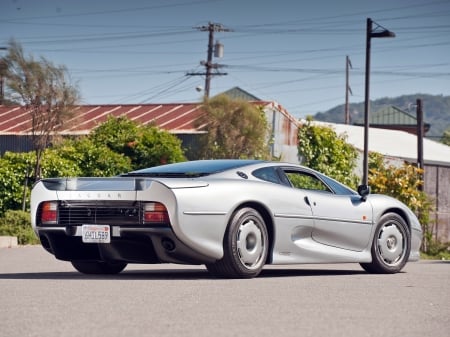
column 288, row 51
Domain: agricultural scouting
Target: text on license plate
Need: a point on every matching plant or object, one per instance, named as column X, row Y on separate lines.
column 96, row 233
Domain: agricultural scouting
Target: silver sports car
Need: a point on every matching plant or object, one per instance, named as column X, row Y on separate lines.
column 234, row 216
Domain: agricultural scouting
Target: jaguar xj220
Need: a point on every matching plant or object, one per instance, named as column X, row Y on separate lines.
column 233, row 216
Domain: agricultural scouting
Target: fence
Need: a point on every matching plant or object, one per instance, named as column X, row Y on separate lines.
column 437, row 186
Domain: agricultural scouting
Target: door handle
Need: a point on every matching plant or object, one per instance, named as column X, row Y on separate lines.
column 307, row 201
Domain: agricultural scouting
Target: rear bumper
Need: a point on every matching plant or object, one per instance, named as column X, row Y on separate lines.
column 128, row 244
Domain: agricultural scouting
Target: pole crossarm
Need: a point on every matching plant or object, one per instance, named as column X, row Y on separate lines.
column 213, row 27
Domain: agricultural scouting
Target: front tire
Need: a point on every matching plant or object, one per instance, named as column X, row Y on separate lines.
column 98, row 267
column 245, row 245
column 391, row 245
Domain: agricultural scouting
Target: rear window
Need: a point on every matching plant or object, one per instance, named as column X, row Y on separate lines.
column 192, row 168
column 268, row 174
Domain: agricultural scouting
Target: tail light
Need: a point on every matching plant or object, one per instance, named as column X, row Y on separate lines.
column 49, row 212
column 155, row 213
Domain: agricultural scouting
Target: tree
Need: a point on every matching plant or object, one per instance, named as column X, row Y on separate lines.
column 323, row 150
column 234, row 129
column 145, row 145
column 46, row 93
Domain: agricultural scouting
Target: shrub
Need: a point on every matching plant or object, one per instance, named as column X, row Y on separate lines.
column 13, row 172
column 143, row 145
column 402, row 182
column 18, row 223
column 322, row 149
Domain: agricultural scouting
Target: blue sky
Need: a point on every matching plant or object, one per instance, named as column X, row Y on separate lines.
column 292, row 52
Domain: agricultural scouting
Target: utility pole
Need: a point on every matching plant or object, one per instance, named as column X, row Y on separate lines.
column 378, row 32
column 420, row 134
column 216, row 49
column 2, row 74
column 348, row 65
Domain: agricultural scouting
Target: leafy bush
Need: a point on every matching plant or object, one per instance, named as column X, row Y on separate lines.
column 18, row 223
column 156, row 147
column 325, row 151
column 117, row 133
column 90, row 159
column 13, row 172
column 402, row 182
column 437, row 250
column 144, row 145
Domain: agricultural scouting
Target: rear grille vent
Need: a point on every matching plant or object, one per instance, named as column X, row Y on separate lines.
column 100, row 212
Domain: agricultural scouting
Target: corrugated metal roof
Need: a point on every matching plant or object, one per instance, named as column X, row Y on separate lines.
column 173, row 117
column 176, row 118
column 392, row 115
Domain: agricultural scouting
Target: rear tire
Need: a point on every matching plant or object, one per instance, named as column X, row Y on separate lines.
column 98, row 267
column 391, row 245
column 245, row 245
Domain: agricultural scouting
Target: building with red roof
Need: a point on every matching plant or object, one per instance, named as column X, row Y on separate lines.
column 177, row 118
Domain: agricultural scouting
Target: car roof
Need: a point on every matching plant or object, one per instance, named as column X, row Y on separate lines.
column 204, row 167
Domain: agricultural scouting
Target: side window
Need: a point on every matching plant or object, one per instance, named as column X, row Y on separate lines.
column 267, row 174
column 306, row 181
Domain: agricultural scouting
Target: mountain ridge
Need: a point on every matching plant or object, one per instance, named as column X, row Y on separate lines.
column 436, row 110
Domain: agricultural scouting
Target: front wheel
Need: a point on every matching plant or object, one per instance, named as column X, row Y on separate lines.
column 98, row 267
column 391, row 245
column 245, row 245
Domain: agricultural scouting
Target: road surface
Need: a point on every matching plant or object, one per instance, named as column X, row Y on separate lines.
column 41, row 296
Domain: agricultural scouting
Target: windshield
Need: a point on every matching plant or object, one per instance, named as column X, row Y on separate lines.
column 195, row 168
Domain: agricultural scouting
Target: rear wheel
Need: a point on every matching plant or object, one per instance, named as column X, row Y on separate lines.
column 391, row 245
column 98, row 267
column 245, row 246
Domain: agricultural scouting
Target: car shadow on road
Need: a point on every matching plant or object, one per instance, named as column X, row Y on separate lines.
column 176, row 274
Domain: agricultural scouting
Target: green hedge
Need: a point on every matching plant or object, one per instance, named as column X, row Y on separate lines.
column 18, row 223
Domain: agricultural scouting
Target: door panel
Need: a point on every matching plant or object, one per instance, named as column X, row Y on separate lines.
column 342, row 221
column 339, row 220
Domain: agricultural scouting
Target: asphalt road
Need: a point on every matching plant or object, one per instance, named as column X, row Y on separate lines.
column 40, row 296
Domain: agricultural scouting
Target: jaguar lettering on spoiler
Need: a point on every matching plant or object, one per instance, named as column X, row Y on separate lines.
column 98, row 195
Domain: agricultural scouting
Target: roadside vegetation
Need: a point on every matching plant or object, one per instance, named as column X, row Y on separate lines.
column 322, row 149
column 404, row 183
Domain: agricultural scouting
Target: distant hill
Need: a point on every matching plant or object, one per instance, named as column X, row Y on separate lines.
column 436, row 111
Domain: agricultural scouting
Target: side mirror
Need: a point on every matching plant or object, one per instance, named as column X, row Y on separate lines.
column 363, row 191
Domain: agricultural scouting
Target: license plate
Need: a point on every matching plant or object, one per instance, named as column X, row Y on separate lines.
column 96, row 234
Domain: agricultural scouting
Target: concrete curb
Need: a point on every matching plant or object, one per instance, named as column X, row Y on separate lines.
column 8, row 241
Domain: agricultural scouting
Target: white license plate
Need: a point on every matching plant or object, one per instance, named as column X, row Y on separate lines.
column 96, row 233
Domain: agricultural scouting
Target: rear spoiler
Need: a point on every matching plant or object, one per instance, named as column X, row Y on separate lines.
column 96, row 184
